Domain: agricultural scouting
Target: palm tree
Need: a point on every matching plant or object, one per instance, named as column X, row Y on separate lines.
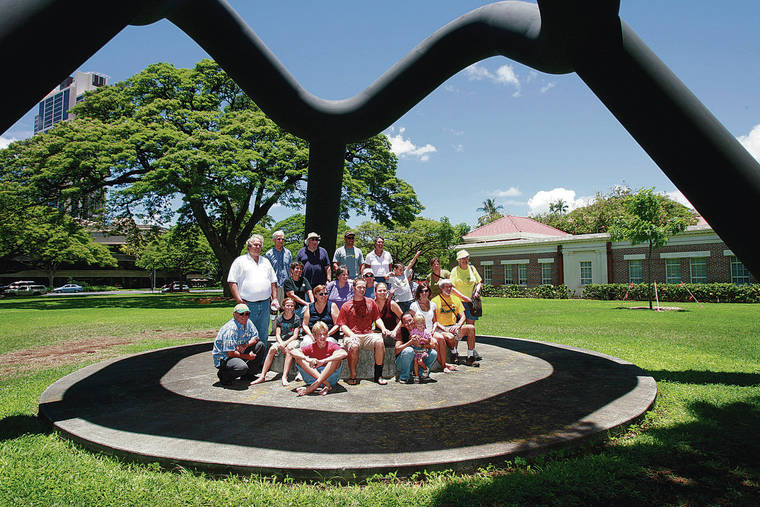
column 491, row 210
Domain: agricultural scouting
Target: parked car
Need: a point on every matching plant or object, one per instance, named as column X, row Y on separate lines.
column 26, row 290
column 10, row 289
column 175, row 287
column 69, row 287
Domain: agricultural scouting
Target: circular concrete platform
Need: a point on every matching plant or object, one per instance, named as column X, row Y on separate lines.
column 168, row 405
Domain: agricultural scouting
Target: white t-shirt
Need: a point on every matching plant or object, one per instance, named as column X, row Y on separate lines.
column 254, row 279
column 429, row 315
column 380, row 264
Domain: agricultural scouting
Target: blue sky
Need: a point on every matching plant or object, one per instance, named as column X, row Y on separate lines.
column 495, row 130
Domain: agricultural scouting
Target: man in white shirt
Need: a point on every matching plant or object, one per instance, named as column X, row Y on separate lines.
column 349, row 255
column 253, row 282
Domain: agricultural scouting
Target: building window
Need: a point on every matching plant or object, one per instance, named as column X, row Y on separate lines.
column 672, row 270
column 546, row 273
column 635, row 271
column 509, row 278
column 739, row 273
column 488, row 274
column 586, row 277
column 698, row 270
column 522, row 274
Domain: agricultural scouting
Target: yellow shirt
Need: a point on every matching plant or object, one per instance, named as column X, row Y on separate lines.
column 465, row 280
column 447, row 309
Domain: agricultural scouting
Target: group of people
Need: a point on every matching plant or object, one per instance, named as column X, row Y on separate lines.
column 328, row 311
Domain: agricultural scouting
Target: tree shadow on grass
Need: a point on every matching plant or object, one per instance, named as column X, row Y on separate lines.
column 148, row 301
column 702, row 377
column 712, row 460
column 14, row 426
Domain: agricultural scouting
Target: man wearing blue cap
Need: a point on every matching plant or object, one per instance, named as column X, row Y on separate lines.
column 237, row 351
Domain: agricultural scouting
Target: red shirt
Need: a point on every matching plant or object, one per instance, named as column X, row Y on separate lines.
column 359, row 315
column 311, row 350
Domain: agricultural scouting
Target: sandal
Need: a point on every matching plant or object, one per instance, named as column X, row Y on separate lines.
column 352, row 381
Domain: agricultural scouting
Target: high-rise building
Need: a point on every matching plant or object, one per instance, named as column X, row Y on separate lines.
column 56, row 104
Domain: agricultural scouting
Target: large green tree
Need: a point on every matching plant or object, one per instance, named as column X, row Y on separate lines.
column 183, row 249
column 191, row 136
column 648, row 222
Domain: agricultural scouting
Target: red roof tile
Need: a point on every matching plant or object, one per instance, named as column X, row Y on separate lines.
column 514, row 225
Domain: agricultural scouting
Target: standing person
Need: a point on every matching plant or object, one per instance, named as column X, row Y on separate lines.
column 286, row 333
column 319, row 362
column 423, row 306
column 280, row 258
column 298, row 288
column 379, row 260
column 436, row 274
column 450, row 316
column 400, row 283
column 349, row 256
column 404, row 349
column 316, row 262
column 467, row 281
column 237, row 350
column 253, row 282
column 340, row 290
column 355, row 320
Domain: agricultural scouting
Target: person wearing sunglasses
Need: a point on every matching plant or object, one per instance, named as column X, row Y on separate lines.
column 369, row 279
column 321, row 310
column 237, row 350
column 316, row 262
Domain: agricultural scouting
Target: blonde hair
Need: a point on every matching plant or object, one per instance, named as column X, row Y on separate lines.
column 418, row 317
column 319, row 326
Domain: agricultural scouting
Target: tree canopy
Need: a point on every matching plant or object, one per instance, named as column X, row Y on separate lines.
column 491, row 211
column 189, row 141
column 606, row 210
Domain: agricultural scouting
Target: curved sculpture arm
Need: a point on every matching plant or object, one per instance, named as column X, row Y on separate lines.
column 512, row 29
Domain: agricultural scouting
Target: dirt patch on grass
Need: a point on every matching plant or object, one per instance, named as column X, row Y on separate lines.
column 98, row 348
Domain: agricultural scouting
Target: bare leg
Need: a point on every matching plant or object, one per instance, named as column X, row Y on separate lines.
column 321, row 379
column 442, row 348
column 353, row 359
column 267, row 364
column 286, row 369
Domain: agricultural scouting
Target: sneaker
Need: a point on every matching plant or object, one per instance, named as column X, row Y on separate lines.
column 410, row 380
column 424, row 375
column 455, row 358
column 477, row 356
column 472, row 362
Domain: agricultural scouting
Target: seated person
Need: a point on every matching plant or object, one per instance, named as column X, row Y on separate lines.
column 450, row 317
column 298, row 288
column 237, row 350
column 425, row 339
column 321, row 310
column 404, row 348
column 318, row 362
column 369, row 279
column 340, row 289
column 287, row 327
column 355, row 320
column 399, row 283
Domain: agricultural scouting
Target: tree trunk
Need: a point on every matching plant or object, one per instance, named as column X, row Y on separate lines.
column 649, row 274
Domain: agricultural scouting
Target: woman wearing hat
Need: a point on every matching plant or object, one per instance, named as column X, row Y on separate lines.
column 467, row 281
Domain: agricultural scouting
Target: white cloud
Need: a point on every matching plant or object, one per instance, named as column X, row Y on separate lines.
column 510, row 192
column 540, row 201
column 504, row 75
column 548, row 86
column 5, row 141
column 752, row 142
column 677, row 196
column 406, row 148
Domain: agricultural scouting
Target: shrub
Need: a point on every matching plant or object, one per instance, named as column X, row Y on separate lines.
column 520, row 291
column 682, row 292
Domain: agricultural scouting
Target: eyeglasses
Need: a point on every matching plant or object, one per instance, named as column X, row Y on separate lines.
column 369, row 275
column 313, row 239
column 424, row 290
column 245, row 314
column 321, row 293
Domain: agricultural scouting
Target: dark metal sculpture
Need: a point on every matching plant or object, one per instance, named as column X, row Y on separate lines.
column 556, row 36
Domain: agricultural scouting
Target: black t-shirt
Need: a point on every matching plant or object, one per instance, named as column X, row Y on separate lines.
column 300, row 288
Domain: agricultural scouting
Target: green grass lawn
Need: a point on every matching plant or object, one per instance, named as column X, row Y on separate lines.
column 699, row 445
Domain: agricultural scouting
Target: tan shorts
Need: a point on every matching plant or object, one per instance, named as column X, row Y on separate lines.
column 455, row 333
column 363, row 341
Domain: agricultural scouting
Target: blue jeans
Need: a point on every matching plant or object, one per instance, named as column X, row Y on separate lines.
column 260, row 318
column 332, row 379
column 406, row 358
